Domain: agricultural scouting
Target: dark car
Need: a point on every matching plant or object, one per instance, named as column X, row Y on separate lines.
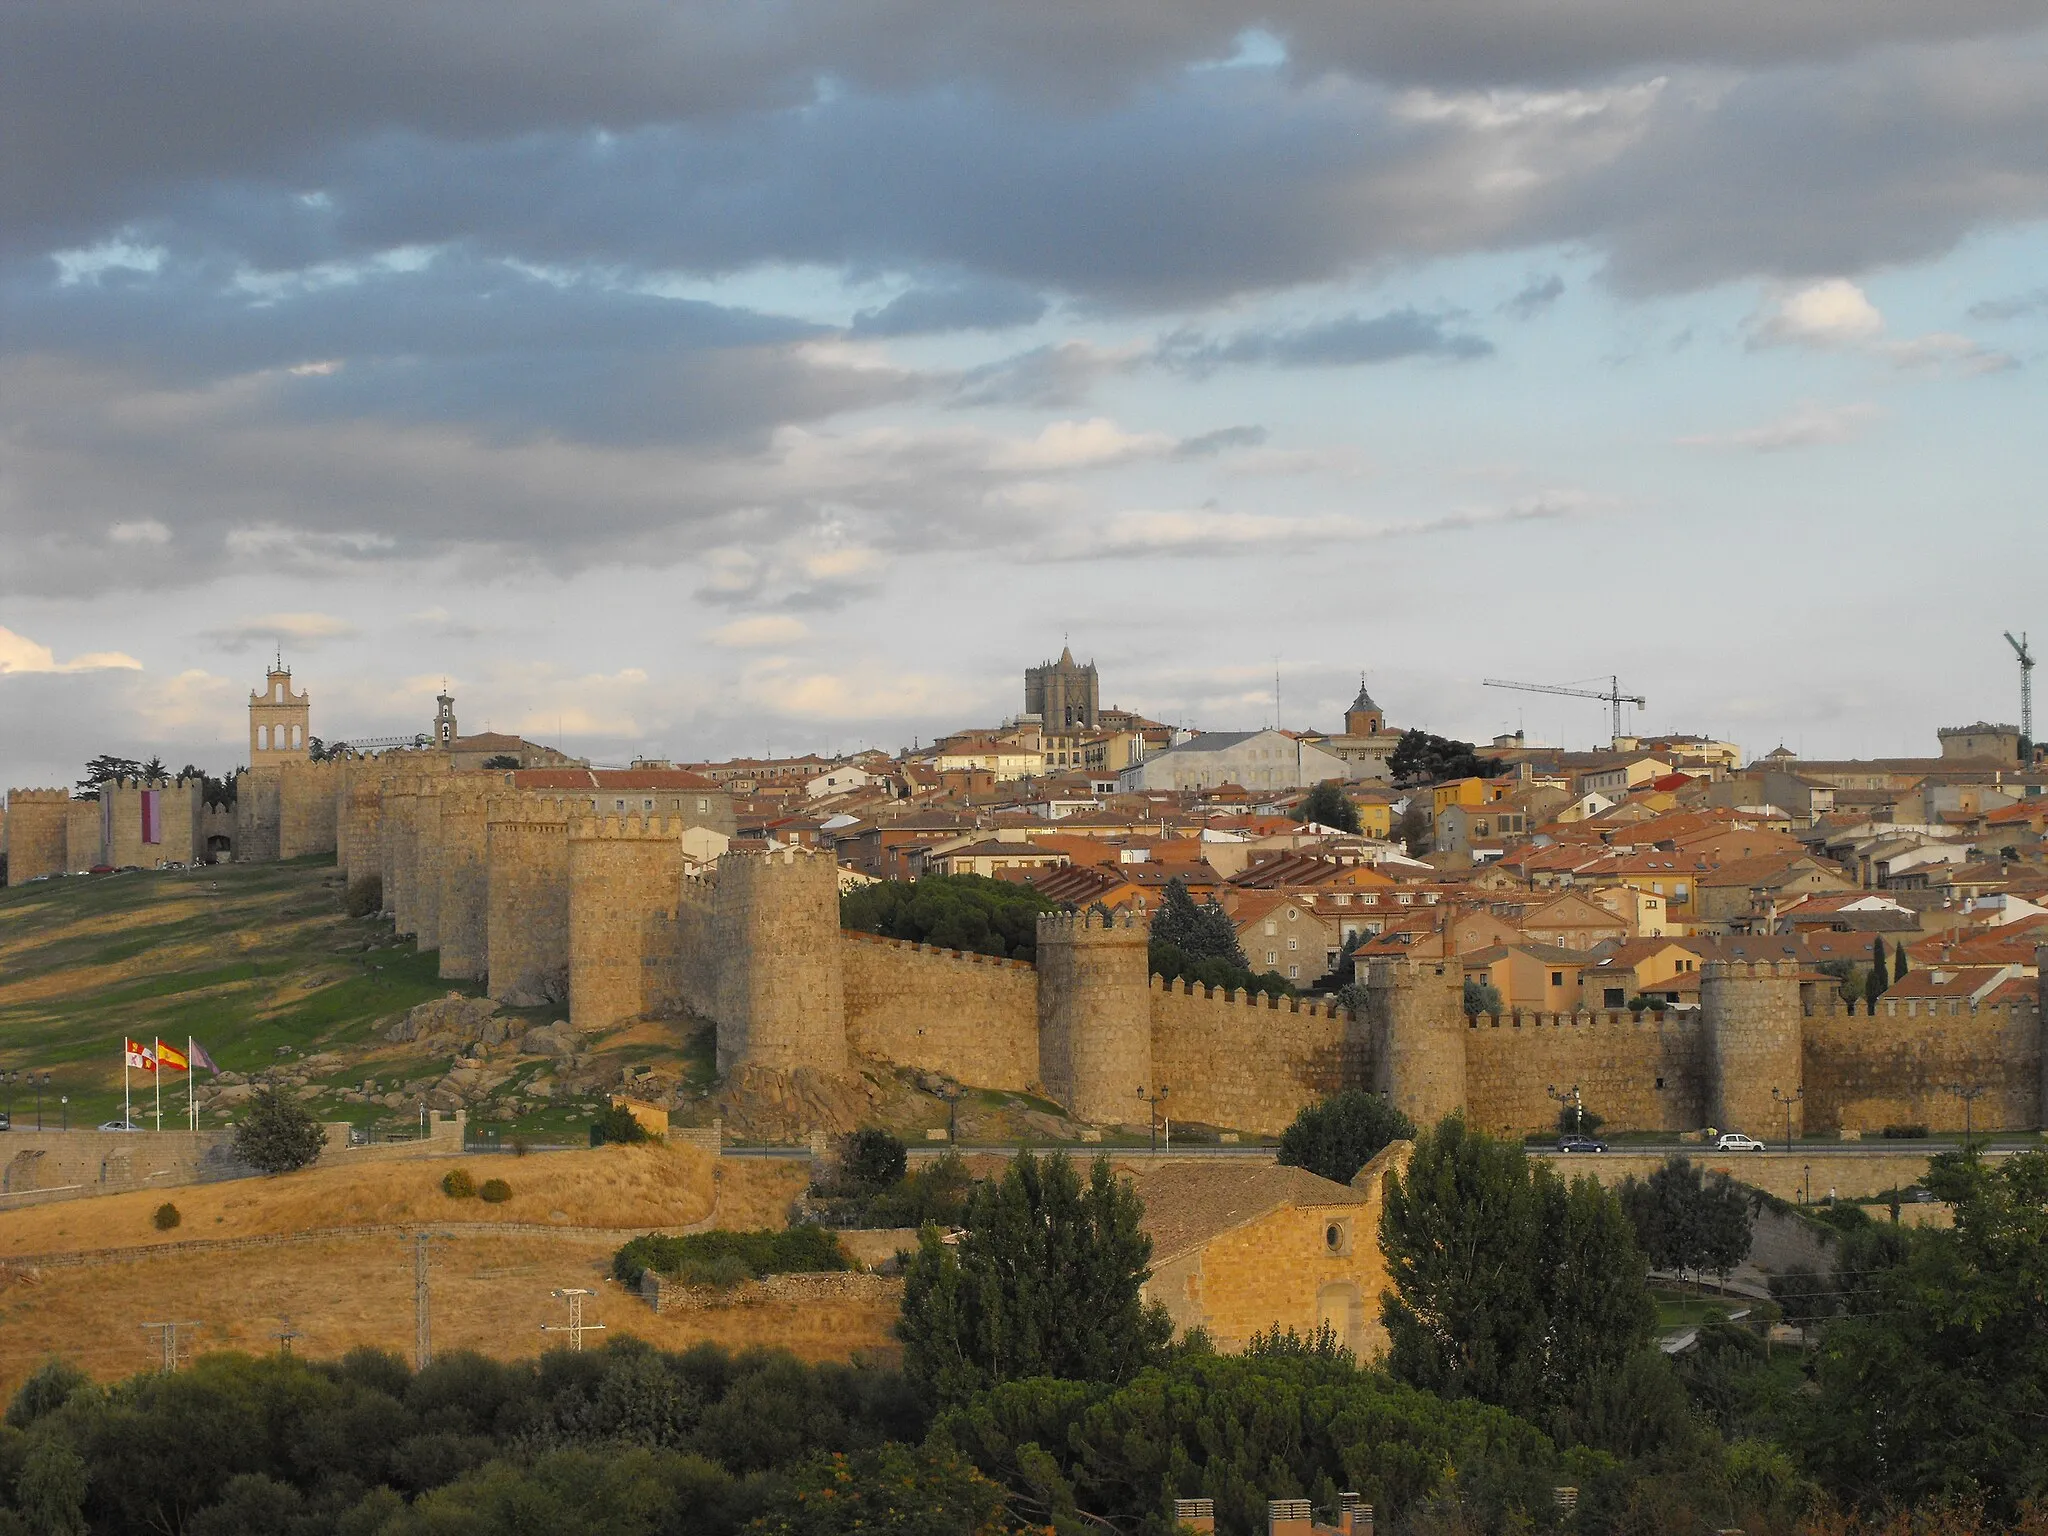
column 1580, row 1144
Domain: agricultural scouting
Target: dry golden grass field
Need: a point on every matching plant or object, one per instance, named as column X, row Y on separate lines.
column 490, row 1289
column 489, row 1292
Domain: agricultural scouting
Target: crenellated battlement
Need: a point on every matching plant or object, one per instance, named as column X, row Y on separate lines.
column 38, row 797
column 1075, row 927
column 1835, row 1006
column 1408, row 970
column 936, row 952
column 1241, row 997
column 1750, row 970
column 1618, row 1018
column 626, row 829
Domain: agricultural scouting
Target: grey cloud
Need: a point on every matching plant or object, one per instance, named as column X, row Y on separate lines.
column 1052, row 377
column 969, row 305
column 2016, row 307
column 1222, row 440
column 1535, row 297
column 1349, row 341
column 101, row 100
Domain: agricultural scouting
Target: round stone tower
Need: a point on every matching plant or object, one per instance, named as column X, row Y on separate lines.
column 1415, row 1019
column 1754, row 1045
column 782, row 975
column 1094, row 1015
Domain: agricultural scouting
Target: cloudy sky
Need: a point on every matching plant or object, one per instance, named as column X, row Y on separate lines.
column 758, row 375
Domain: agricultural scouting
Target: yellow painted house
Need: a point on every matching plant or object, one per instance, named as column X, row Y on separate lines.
column 1243, row 1248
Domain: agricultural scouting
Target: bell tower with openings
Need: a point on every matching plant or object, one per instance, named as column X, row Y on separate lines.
column 279, row 720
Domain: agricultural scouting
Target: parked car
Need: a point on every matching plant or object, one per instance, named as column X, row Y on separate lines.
column 119, row 1125
column 1580, row 1144
column 6, row 1121
column 1736, row 1141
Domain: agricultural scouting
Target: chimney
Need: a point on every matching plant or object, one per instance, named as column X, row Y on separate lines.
column 1354, row 1515
column 1198, row 1515
column 1289, row 1517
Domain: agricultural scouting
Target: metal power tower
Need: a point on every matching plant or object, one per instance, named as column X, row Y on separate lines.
column 2026, row 657
column 1613, row 696
column 575, row 1327
column 167, row 1341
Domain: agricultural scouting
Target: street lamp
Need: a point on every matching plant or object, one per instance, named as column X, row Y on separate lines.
column 1571, row 1097
column 41, row 1081
column 64, row 1105
column 8, row 1078
column 1152, row 1102
column 1788, row 1100
column 1968, row 1093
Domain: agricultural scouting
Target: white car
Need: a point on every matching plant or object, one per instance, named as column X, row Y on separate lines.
column 1735, row 1141
column 119, row 1125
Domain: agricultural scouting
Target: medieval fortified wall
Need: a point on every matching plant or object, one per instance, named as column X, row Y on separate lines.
column 614, row 894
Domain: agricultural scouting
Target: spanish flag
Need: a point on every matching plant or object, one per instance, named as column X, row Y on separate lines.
column 170, row 1058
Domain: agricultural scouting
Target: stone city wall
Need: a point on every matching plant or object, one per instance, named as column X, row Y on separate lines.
column 464, row 903
column 1900, row 1067
column 973, row 1018
column 1643, row 1072
column 526, row 845
column 425, row 885
column 82, row 841
column 37, row 833
column 181, row 829
column 625, row 874
column 1094, row 1015
column 1246, row 1061
column 308, row 794
column 65, row 1165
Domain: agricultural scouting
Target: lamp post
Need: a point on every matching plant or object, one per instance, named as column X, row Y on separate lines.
column 1570, row 1096
column 8, row 1078
column 41, row 1081
column 1968, row 1093
column 1152, row 1102
column 64, row 1107
column 1788, row 1100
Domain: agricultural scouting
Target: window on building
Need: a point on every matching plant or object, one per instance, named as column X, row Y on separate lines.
column 1293, row 943
column 1294, row 973
column 1557, row 978
column 1272, row 957
column 1614, row 997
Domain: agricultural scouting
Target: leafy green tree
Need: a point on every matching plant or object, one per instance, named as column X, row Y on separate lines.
column 899, row 1489
column 1044, row 1281
column 104, row 770
column 50, row 1489
column 1176, row 964
column 1481, row 997
column 47, row 1390
column 277, row 1133
column 501, row 762
column 1412, row 830
column 871, row 1159
column 614, row 1125
column 1203, row 931
column 1687, row 1219
column 1328, row 805
column 1292, row 1421
column 1510, row 1286
column 1341, row 1134
column 964, row 912
column 1935, row 1385
column 1420, row 758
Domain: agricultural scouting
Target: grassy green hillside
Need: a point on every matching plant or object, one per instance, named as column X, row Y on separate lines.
column 258, row 962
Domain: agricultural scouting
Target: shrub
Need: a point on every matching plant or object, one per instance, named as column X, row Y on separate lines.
column 365, row 896
column 1342, row 1134
column 278, row 1134
column 1905, row 1133
column 166, row 1217
column 456, row 1184
column 616, row 1124
column 935, row 1192
column 494, row 1192
column 724, row 1259
column 872, row 1159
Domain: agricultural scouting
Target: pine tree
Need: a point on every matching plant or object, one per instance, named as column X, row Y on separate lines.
column 1899, row 961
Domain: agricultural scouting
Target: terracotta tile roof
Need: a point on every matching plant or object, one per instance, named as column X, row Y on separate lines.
column 1188, row 1204
column 611, row 778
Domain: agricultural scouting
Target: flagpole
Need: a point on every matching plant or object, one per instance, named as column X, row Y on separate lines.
column 127, row 1113
column 159, row 1082
column 191, row 1103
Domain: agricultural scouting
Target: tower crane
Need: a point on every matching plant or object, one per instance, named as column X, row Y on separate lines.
column 1613, row 696
column 2026, row 657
